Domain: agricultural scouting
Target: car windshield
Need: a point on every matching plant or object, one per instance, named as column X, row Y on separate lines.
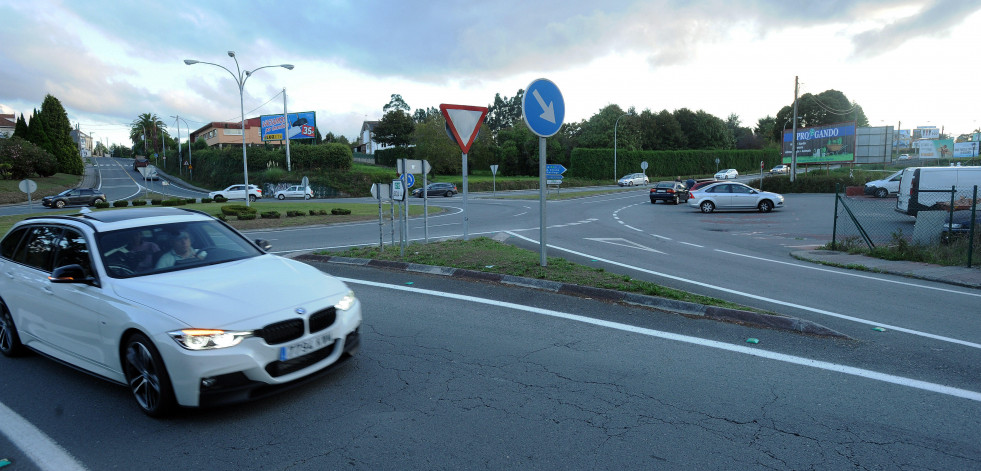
column 665, row 185
column 147, row 250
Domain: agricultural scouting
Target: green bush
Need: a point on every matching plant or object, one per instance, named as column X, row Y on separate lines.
column 246, row 216
column 267, row 215
column 206, row 200
column 293, row 213
column 234, row 209
column 190, row 200
column 139, row 202
column 101, row 205
column 156, row 202
column 340, row 211
column 314, row 212
column 220, row 199
column 222, row 217
column 120, row 204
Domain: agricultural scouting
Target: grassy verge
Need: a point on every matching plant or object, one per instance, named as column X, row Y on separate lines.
column 10, row 190
column 487, row 255
column 950, row 253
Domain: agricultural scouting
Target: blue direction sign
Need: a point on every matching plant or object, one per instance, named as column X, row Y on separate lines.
column 555, row 169
column 543, row 108
column 410, row 180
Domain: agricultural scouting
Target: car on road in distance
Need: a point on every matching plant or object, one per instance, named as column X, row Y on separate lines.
column 74, row 197
column 437, row 189
column 86, row 289
column 634, row 179
column 140, row 161
column 903, row 156
column 884, row 187
column 237, row 192
column 734, row 195
column 782, row 168
column 726, row 174
column 666, row 191
column 295, row 191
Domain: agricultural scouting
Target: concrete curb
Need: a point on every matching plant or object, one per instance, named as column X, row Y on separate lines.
column 786, row 323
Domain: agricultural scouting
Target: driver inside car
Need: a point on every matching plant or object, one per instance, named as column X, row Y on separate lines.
column 182, row 251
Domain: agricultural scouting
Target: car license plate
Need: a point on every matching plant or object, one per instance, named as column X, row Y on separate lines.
column 660, row 191
column 303, row 347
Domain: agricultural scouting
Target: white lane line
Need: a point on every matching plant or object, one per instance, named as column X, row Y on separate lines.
column 857, row 275
column 762, row 298
column 823, row 365
column 660, row 237
column 40, row 448
column 634, row 228
column 691, row 244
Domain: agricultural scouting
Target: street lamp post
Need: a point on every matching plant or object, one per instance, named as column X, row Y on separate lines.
column 190, row 159
column 240, row 79
column 615, row 146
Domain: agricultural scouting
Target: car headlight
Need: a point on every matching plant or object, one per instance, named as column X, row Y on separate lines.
column 208, row 339
column 346, row 302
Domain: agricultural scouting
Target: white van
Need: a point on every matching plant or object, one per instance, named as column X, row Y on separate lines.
column 924, row 188
column 885, row 187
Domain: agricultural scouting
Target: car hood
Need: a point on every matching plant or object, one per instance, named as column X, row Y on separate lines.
column 219, row 295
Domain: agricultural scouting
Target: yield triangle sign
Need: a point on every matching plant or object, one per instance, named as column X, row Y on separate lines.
column 464, row 122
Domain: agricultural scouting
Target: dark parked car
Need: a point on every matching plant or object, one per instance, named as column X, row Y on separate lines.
column 674, row 192
column 140, row 162
column 437, row 189
column 959, row 225
column 74, row 196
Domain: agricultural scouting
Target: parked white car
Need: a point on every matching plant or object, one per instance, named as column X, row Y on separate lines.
column 237, row 192
column 885, row 187
column 782, row 168
column 203, row 330
column 726, row 174
column 295, row 191
column 733, row 195
column 634, row 179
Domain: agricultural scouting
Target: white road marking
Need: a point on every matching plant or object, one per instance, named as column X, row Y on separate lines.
column 625, row 243
column 823, row 365
column 763, row 298
column 40, row 448
column 691, row 244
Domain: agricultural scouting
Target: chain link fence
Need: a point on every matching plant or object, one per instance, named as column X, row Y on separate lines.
column 946, row 229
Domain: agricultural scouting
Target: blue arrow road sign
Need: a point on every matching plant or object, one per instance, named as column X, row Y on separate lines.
column 554, row 169
column 553, row 176
column 543, row 108
column 410, row 180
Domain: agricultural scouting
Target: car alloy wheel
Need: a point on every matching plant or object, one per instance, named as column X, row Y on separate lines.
column 9, row 340
column 707, row 206
column 147, row 377
column 252, row 198
column 306, row 197
column 60, row 204
column 282, row 197
column 881, row 193
column 766, row 206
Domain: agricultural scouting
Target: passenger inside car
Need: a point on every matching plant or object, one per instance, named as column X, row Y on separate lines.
column 182, row 251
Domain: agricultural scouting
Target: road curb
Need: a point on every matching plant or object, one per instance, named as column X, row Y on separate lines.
column 770, row 321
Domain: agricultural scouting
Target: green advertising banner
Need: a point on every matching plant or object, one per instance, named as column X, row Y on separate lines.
column 834, row 143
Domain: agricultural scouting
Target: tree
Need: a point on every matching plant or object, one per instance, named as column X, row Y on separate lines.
column 661, row 131
column 395, row 129
column 58, row 133
column 827, row 107
column 504, row 112
column 704, row 131
column 396, row 103
column 422, row 115
column 20, row 128
column 145, row 132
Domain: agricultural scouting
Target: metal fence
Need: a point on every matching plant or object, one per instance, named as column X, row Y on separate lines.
column 947, row 224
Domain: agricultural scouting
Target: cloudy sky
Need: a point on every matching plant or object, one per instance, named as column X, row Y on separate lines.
column 909, row 61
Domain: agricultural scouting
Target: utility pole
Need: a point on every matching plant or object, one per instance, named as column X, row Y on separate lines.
column 286, row 132
column 793, row 158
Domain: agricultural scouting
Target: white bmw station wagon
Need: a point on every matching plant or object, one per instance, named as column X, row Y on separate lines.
column 167, row 301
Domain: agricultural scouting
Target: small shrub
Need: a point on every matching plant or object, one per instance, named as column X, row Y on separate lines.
column 173, row 202
column 340, row 211
column 139, row 202
column 294, row 213
column 314, row 212
column 220, row 199
column 156, row 202
column 232, row 209
column 206, row 200
column 190, row 200
column 222, row 217
column 268, row 215
column 101, row 205
column 246, row 216
column 322, row 212
column 120, row 204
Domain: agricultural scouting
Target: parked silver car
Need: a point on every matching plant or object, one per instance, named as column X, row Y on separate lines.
column 732, row 195
column 634, row 179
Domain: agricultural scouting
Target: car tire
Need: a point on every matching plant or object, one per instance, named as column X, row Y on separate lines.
column 282, row 197
column 216, row 197
column 10, row 345
column 675, row 201
column 707, row 206
column 765, row 206
column 448, row 194
column 252, row 198
column 97, row 201
column 147, row 376
column 630, row 183
column 881, row 192
column 59, row 204
column 653, row 201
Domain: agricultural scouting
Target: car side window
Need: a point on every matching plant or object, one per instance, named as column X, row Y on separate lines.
column 73, row 249
column 38, row 248
column 10, row 243
column 719, row 189
column 739, row 189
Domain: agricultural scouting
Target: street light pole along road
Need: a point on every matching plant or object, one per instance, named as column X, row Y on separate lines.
column 240, row 79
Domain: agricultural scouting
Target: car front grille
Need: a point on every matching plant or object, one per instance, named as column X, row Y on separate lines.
column 281, row 332
column 322, row 319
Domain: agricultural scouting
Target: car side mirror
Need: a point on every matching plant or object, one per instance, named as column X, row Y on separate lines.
column 263, row 244
column 73, row 273
column 753, row 192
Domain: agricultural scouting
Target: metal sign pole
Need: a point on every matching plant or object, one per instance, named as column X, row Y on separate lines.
column 542, row 188
column 466, row 215
column 425, row 202
column 405, row 207
column 381, row 224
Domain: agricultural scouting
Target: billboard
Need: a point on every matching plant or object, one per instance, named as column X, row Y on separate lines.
column 966, row 149
column 926, row 132
column 902, row 139
column 302, row 125
column 821, row 144
column 935, row 148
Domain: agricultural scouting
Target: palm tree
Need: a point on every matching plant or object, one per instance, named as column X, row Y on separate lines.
column 146, row 131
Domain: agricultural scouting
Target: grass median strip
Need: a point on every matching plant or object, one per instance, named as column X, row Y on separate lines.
column 487, row 255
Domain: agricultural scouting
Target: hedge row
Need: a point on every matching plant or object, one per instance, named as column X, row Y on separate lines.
column 597, row 164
